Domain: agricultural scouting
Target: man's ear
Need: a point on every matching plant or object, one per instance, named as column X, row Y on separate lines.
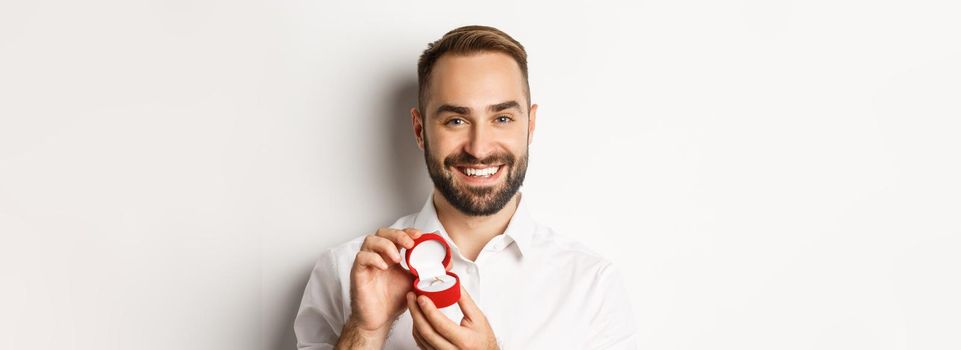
column 531, row 123
column 418, row 124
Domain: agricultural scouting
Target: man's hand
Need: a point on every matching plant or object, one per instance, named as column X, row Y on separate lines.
column 433, row 330
column 377, row 287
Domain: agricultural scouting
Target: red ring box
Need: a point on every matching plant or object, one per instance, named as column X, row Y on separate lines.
column 427, row 260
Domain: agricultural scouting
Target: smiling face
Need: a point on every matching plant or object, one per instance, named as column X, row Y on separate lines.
column 476, row 130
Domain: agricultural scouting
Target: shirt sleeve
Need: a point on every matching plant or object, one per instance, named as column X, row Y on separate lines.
column 612, row 321
column 320, row 317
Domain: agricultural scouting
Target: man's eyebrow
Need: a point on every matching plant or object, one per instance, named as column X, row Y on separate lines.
column 466, row 110
column 504, row 105
column 453, row 109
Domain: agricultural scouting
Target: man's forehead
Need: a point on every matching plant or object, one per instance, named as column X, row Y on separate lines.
column 476, row 81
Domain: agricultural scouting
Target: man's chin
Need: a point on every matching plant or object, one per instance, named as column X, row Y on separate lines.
column 480, row 191
column 477, row 200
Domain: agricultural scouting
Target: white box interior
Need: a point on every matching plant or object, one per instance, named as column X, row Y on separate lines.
column 428, row 259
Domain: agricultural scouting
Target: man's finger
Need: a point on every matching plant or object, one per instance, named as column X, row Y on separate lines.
column 413, row 232
column 468, row 307
column 422, row 326
column 399, row 237
column 441, row 323
column 365, row 258
column 382, row 246
column 421, row 343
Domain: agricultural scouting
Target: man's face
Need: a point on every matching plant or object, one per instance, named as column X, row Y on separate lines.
column 476, row 130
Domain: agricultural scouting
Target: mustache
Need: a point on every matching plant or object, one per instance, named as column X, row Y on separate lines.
column 467, row 159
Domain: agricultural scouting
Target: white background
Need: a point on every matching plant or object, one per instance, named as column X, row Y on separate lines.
column 768, row 174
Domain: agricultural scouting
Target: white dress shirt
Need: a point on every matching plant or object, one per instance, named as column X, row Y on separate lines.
column 539, row 290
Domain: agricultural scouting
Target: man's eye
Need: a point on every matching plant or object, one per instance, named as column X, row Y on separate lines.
column 503, row 119
column 455, row 121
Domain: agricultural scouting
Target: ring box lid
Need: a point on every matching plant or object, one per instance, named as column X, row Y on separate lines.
column 422, row 259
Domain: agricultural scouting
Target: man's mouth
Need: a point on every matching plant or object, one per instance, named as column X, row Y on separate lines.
column 480, row 171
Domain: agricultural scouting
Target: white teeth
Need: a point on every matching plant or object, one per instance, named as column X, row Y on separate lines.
column 480, row 172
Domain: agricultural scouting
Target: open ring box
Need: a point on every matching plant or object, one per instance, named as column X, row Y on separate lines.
column 427, row 260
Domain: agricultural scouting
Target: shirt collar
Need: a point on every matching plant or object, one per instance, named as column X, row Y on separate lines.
column 520, row 229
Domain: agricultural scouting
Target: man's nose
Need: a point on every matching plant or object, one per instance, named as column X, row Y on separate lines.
column 481, row 143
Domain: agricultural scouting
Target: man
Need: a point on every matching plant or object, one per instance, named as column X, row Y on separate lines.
column 523, row 286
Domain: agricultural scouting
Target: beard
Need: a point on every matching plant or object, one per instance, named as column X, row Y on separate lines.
column 476, row 200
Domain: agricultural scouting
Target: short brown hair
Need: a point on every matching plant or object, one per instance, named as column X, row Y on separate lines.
column 467, row 40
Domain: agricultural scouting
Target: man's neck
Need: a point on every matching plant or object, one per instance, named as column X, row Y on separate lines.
column 471, row 233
